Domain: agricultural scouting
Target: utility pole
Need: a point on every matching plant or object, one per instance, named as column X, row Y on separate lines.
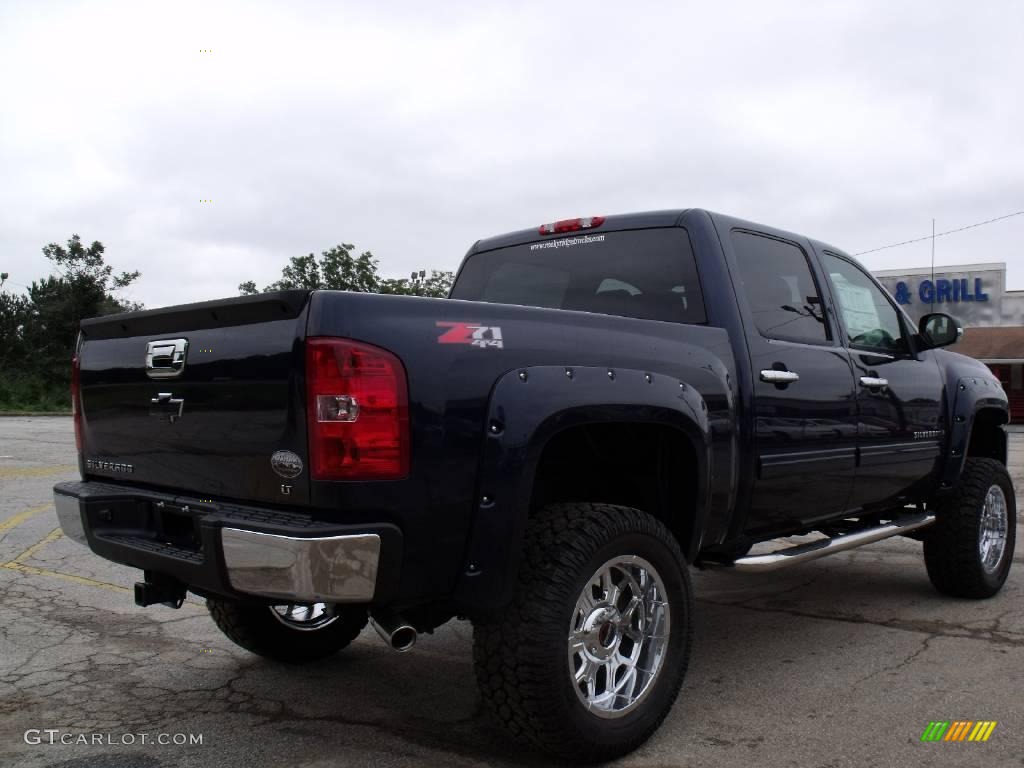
column 933, row 265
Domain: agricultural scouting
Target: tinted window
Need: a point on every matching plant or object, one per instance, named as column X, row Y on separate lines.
column 645, row 273
column 870, row 319
column 514, row 280
column 780, row 289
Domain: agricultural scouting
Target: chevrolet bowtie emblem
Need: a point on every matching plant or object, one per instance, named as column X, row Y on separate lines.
column 166, row 406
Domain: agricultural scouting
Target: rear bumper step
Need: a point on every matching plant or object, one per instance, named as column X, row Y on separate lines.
column 803, row 553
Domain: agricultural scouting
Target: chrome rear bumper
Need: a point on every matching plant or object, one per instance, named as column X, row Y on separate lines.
column 332, row 569
column 211, row 549
column 69, row 515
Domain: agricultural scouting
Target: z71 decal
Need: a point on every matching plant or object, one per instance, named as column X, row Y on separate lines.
column 471, row 333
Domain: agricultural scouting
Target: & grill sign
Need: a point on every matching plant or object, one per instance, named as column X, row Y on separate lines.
column 942, row 291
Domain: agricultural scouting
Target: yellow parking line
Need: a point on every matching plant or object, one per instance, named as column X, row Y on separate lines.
column 22, row 568
column 21, row 517
column 33, row 570
column 17, row 472
column 53, row 535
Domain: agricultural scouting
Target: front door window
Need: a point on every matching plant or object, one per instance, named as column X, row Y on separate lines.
column 872, row 322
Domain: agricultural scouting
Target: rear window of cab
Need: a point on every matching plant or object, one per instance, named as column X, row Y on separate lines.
column 643, row 273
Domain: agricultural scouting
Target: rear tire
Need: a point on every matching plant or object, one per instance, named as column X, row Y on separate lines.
column 588, row 659
column 969, row 549
column 293, row 637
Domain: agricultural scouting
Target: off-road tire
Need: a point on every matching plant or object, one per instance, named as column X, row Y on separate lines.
column 253, row 627
column 521, row 655
column 951, row 544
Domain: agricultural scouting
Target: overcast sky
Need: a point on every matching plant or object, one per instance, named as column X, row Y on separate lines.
column 415, row 130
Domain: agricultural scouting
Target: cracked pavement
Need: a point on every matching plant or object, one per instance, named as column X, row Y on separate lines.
column 840, row 662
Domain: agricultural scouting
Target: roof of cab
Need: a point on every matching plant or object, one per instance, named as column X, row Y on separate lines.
column 618, row 221
column 644, row 220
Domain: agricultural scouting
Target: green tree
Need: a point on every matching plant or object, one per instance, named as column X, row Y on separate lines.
column 13, row 316
column 86, row 266
column 38, row 331
column 437, row 284
column 340, row 269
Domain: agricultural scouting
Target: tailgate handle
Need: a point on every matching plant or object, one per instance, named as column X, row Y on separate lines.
column 165, row 359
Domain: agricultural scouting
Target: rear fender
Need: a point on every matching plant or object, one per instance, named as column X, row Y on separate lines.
column 527, row 408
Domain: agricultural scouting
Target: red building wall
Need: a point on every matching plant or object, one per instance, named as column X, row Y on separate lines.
column 1013, row 382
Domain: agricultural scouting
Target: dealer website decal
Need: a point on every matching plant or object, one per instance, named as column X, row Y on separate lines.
column 471, row 333
column 958, row 730
column 565, row 242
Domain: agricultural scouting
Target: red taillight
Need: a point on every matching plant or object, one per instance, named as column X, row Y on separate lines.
column 76, row 403
column 571, row 225
column 357, row 407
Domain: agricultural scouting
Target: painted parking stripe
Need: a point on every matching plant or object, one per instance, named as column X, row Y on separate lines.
column 53, row 535
column 21, row 517
column 15, row 473
column 31, row 569
column 84, row 581
column 18, row 564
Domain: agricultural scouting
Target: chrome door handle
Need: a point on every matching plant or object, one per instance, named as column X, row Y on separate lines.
column 873, row 383
column 779, row 377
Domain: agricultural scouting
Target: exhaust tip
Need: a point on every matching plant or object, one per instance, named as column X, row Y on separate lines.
column 399, row 635
column 403, row 639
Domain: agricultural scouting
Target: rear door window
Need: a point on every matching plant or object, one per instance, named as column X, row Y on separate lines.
column 780, row 289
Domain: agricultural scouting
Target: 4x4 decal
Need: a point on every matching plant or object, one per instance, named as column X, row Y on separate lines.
column 471, row 333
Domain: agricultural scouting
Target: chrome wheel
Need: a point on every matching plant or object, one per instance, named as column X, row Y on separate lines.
column 618, row 636
column 992, row 531
column 304, row 617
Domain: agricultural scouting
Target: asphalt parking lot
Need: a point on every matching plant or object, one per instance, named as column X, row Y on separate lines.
column 841, row 662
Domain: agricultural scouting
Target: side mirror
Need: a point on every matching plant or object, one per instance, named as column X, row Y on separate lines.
column 938, row 330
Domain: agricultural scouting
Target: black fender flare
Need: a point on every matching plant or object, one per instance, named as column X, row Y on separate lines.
column 528, row 407
column 972, row 395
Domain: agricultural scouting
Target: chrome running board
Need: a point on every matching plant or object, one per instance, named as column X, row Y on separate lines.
column 803, row 553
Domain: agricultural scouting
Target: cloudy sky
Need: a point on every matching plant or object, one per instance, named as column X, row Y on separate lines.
column 412, row 129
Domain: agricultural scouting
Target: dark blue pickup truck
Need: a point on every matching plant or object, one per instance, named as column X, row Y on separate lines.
column 600, row 404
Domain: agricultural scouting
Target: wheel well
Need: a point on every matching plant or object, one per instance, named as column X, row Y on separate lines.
column 988, row 440
column 650, row 467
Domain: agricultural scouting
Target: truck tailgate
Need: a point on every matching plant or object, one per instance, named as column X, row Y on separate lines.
column 198, row 398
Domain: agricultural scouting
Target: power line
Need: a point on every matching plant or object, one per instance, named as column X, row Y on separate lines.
column 11, row 282
column 941, row 234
